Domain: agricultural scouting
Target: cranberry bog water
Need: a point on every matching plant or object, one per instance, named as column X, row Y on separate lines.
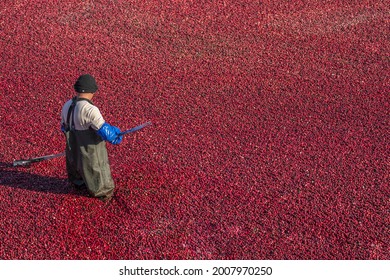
column 270, row 136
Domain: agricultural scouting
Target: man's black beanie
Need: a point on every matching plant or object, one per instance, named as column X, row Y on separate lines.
column 86, row 83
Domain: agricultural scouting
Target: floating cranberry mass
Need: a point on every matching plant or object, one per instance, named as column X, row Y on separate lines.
column 269, row 139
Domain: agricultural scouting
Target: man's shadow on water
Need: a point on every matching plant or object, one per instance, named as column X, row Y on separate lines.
column 21, row 178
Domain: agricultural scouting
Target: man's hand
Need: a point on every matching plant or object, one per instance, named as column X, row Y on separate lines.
column 63, row 128
column 118, row 138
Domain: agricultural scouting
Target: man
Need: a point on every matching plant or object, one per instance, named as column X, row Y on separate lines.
column 86, row 132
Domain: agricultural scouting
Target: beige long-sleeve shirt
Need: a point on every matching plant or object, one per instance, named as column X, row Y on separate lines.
column 86, row 115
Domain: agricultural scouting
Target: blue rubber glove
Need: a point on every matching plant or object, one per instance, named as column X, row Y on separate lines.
column 63, row 128
column 118, row 138
column 110, row 133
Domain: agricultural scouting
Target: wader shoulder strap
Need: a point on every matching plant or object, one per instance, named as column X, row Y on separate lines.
column 71, row 109
column 70, row 112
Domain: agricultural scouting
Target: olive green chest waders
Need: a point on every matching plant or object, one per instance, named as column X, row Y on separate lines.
column 87, row 158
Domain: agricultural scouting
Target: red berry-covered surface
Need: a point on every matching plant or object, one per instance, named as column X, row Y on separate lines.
column 270, row 136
